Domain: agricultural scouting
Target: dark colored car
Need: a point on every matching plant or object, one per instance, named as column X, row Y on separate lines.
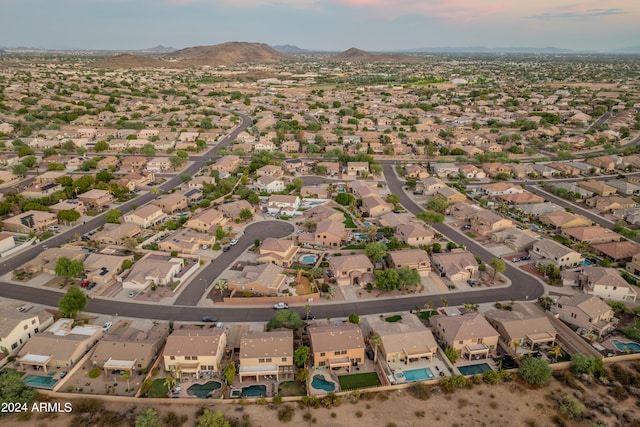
column 210, row 319
column 369, row 353
column 226, row 248
column 91, row 286
column 308, row 316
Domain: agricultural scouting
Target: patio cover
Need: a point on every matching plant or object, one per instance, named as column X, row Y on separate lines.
column 474, row 349
column 246, row 371
column 541, row 337
column 35, row 360
column 340, row 362
column 417, row 353
column 119, row 365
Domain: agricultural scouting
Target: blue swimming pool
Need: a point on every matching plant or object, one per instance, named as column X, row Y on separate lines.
column 626, row 346
column 203, row 390
column 308, row 259
column 319, row 383
column 418, row 374
column 254, row 391
column 40, row 381
column 474, row 369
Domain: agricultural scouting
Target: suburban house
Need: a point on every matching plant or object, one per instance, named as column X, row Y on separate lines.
column 430, row 186
column 587, row 312
column 358, row 168
column 415, row 259
column 39, row 191
column 270, row 184
column 323, row 212
column 457, row 265
column 522, row 327
column 516, row 239
column 634, row 265
column 592, row 234
column 109, row 162
column 46, row 260
column 206, row 221
column 194, row 352
column 622, row 251
column 328, row 234
column 266, row 279
column 132, row 350
column 266, row 354
column 226, row 165
column 19, row 326
column 232, row 210
column 116, row 234
column 352, row 269
column 158, row 164
column 611, row 203
column 470, row 334
column 7, row 242
column 598, row 188
column 60, row 346
column 445, row 170
column 336, row 346
column 278, row 251
column 103, row 268
column 69, row 205
column 200, row 181
column 145, row 216
column 151, row 270
column 495, row 168
column 607, row 283
column 374, row 206
column 270, row 170
column 416, row 171
column 484, row 223
column 96, row 198
column 133, row 164
column 500, row 188
column 560, row 219
column 278, row 203
column 185, row 241
column 172, row 203
column 521, row 198
column 30, row 221
column 404, row 341
column 551, row 252
column 472, row 172
column 414, row 234
column 451, row 194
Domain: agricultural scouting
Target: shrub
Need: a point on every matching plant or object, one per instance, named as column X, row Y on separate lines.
column 490, row 377
column 420, row 391
column 285, row 414
column 358, row 414
column 277, row 400
column 571, row 406
column 535, row 371
column 477, row 379
column 94, row 373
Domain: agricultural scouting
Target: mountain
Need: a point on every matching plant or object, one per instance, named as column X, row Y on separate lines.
column 290, row 49
column 159, row 49
column 230, row 53
column 358, row 55
column 127, row 60
column 627, row 50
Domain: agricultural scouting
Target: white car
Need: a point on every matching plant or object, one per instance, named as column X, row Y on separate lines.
column 106, row 326
column 53, row 228
column 280, row 305
column 233, row 242
column 132, row 294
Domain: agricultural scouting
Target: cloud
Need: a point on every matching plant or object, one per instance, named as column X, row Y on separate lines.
column 579, row 14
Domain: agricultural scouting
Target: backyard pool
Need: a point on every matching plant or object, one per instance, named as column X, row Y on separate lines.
column 418, row 374
column 41, row 381
column 367, row 224
column 203, row 390
column 319, row 383
column 474, row 369
column 308, row 259
column 626, row 346
column 254, row 391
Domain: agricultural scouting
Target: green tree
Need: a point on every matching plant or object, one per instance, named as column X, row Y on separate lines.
column 29, row 161
column 101, row 146
column 452, row 354
column 535, row 371
column 113, row 216
column 73, row 302
column 19, row 169
column 176, row 162
column 68, row 216
column 498, row 265
column 387, row 280
column 245, row 214
column 212, row 419
column 394, row 199
column 301, row 355
column 354, row 318
column 437, row 204
column 230, row 372
column 14, row 391
column 220, row 233
column 104, row 176
column 285, row 319
column 431, row 217
column 375, row 340
column 375, row 251
column 148, row 418
column 68, row 268
column 344, row 199
column 408, row 277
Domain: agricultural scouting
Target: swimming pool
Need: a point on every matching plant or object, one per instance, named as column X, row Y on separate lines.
column 203, row 390
column 367, row 224
column 474, row 369
column 418, row 374
column 308, row 259
column 626, row 346
column 254, row 391
column 41, row 381
column 319, row 383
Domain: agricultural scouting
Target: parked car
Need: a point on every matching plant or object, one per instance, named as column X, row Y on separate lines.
column 308, row 316
column 233, row 242
column 53, row 228
column 525, row 258
column 280, row 305
column 91, row 286
column 85, row 283
column 226, row 248
column 210, row 319
column 133, row 294
column 472, row 282
column 107, row 326
column 515, row 259
column 369, row 353
column 63, row 374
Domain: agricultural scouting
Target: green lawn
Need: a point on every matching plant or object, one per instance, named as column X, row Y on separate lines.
column 353, row 247
column 425, row 315
column 393, row 319
column 158, row 389
column 356, row 381
column 348, row 221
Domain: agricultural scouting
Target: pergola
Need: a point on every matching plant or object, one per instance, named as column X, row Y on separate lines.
column 119, row 365
column 540, row 338
column 35, row 360
column 258, row 371
column 479, row 350
column 340, row 362
column 418, row 353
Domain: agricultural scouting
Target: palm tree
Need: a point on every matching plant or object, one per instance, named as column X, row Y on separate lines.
column 516, row 346
column 307, row 309
column 445, row 303
column 169, row 380
column 375, row 341
column 556, row 351
column 126, row 375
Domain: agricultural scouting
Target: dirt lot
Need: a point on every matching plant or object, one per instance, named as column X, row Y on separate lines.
column 505, row 404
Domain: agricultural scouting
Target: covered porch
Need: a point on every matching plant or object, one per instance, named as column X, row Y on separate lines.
column 418, row 353
column 477, row 351
column 340, row 362
column 36, row 360
column 266, row 372
column 119, row 365
column 540, row 338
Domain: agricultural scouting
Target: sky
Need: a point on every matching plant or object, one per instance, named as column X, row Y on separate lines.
column 337, row 25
